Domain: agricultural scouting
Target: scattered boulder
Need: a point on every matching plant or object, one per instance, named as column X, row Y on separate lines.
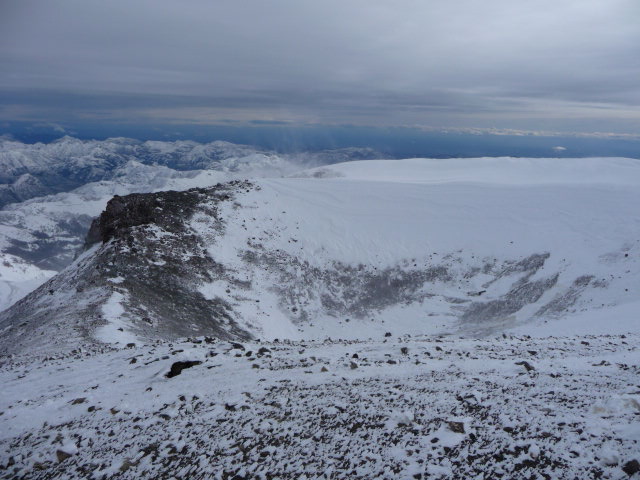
column 67, row 450
column 631, row 467
column 456, row 427
column 177, row 367
column 526, row 365
column 127, row 464
column 61, row 455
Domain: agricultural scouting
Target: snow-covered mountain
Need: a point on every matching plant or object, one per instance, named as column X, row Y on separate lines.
column 32, row 170
column 46, row 230
column 483, row 316
column 351, row 251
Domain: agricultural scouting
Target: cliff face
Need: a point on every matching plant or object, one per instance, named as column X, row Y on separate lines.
column 167, row 210
column 158, row 261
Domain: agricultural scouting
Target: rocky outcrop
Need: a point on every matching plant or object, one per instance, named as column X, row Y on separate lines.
column 167, row 210
column 141, row 251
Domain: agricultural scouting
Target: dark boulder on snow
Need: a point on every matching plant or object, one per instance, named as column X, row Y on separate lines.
column 526, row 365
column 631, row 467
column 178, row 367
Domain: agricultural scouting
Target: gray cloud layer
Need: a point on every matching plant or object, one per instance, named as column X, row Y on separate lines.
column 448, row 62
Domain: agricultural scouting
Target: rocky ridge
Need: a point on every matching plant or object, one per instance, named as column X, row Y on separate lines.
column 141, row 248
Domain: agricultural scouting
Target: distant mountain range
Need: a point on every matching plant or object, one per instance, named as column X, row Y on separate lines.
column 34, row 170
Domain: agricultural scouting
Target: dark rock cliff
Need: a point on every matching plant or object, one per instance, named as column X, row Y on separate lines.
column 165, row 209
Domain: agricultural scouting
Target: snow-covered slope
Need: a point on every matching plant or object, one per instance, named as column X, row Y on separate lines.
column 392, row 408
column 18, row 278
column 355, row 250
column 437, row 245
column 45, row 229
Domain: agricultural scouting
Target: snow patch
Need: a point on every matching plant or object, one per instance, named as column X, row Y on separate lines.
column 117, row 329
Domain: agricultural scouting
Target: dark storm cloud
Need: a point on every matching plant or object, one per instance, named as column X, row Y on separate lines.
column 463, row 62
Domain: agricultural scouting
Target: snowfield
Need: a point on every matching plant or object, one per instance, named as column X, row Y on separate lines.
column 432, row 246
column 398, row 319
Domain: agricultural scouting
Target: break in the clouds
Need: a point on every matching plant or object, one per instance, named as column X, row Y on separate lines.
column 548, row 64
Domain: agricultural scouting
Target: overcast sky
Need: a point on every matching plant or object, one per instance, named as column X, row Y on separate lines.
column 538, row 64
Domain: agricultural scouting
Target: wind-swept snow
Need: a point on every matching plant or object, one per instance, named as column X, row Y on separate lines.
column 512, row 171
column 116, row 329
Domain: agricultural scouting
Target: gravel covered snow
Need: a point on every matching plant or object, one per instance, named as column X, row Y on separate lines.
column 422, row 407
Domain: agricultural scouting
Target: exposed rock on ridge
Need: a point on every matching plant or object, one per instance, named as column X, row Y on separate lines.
column 165, row 209
column 142, row 249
